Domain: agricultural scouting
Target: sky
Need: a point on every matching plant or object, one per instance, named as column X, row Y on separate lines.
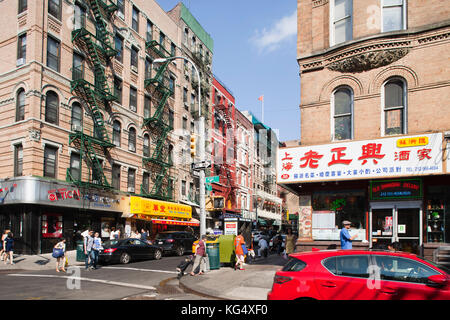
column 255, row 46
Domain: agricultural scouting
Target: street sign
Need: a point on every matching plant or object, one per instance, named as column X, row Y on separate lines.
column 214, row 179
column 201, row 165
column 208, row 187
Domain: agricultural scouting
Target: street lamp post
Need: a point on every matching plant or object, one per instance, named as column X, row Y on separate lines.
column 201, row 134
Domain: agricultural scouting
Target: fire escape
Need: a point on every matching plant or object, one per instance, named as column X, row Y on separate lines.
column 97, row 95
column 228, row 164
column 159, row 125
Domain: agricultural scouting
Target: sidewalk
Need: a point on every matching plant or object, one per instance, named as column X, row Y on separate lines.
column 253, row 283
column 38, row 262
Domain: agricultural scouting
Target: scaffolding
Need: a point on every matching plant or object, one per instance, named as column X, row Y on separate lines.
column 97, row 96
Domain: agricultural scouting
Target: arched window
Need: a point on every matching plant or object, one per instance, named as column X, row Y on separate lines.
column 343, row 114
column 51, row 107
column 77, row 117
column 146, row 150
column 117, row 129
column 20, row 105
column 394, row 104
column 132, row 140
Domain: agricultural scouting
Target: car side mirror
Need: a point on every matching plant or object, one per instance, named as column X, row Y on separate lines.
column 437, row 280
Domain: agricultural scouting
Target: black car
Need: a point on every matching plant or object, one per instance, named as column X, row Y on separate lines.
column 178, row 242
column 126, row 250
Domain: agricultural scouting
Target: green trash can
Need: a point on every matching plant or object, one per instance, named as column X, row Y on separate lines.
column 212, row 249
column 81, row 257
column 226, row 249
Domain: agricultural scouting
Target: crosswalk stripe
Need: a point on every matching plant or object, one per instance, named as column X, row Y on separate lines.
column 138, row 269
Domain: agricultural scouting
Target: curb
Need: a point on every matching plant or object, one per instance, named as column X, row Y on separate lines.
column 198, row 293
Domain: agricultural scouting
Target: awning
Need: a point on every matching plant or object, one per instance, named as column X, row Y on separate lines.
column 193, row 222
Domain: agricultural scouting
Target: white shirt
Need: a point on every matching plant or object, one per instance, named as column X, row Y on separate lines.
column 262, row 244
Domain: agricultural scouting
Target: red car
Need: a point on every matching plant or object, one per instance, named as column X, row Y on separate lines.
column 360, row 275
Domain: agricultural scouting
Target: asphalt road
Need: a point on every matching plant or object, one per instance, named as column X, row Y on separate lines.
column 144, row 280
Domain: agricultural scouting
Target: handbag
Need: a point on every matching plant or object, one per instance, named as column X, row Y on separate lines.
column 57, row 253
column 244, row 248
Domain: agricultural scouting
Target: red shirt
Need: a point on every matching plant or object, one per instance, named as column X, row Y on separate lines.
column 238, row 242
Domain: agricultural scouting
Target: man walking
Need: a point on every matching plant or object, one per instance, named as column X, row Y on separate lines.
column 88, row 244
column 346, row 239
column 200, row 254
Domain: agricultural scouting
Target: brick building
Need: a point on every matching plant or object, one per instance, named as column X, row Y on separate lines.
column 374, row 127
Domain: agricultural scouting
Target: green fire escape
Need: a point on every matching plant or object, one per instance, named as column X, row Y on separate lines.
column 160, row 124
column 97, row 95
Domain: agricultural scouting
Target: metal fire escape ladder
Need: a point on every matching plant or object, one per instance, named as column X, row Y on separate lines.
column 159, row 163
column 96, row 95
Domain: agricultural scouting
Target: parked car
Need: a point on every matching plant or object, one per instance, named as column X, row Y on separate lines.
column 360, row 275
column 126, row 250
column 178, row 242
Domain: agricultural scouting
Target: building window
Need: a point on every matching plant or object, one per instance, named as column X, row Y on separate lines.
column 393, row 15
column 75, row 168
column 171, row 118
column 77, row 117
column 133, row 99
column 343, row 114
column 80, row 17
column 51, row 107
column 173, row 50
column 394, row 107
column 135, row 19
column 53, row 53
column 131, row 180
column 50, row 161
column 341, row 21
column 54, row 8
column 121, row 8
column 20, row 105
column 186, row 36
column 23, row 5
column 185, row 121
column 18, row 160
column 147, row 106
column 118, row 43
column 193, row 43
column 183, row 188
column 115, row 176
column 145, row 181
column 118, row 89
column 172, row 85
column 134, row 59
column 149, row 30
column 146, row 147
column 22, row 49
column 185, row 97
column 193, row 101
column 148, row 68
column 117, row 129
column 77, row 67
column 132, row 140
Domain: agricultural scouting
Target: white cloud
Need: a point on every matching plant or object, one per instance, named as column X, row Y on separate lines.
column 283, row 30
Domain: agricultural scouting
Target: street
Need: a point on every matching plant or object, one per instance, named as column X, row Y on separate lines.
column 153, row 279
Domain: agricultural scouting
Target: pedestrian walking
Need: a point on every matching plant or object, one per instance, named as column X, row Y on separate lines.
column 346, row 239
column 239, row 248
column 88, row 244
column 59, row 252
column 96, row 248
column 200, row 254
column 4, row 235
column 8, row 244
column 291, row 240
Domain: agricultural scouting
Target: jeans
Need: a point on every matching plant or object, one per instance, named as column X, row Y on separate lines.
column 92, row 256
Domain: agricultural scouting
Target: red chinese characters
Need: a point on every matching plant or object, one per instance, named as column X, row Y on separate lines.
column 286, row 166
column 337, row 157
column 310, row 159
column 371, row 151
column 402, row 155
column 423, row 153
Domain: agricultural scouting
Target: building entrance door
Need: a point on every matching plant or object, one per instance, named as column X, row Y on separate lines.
column 396, row 222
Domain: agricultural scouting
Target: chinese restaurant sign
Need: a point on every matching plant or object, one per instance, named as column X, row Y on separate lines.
column 152, row 207
column 396, row 189
column 390, row 157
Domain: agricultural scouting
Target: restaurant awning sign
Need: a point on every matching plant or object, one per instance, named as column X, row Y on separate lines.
column 378, row 158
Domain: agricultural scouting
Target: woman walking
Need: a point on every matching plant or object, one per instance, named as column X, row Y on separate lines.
column 238, row 243
column 8, row 244
column 59, row 253
column 291, row 240
column 96, row 248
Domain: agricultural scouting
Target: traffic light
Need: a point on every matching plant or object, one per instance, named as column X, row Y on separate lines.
column 193, row 145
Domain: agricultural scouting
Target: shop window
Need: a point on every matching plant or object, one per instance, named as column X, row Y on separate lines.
column 52, row 226
column 330, row 209
column 438, row 214
column 394, row 107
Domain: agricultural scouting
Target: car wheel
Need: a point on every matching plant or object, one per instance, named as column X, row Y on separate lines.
column 125, row 258
column 157, row 255
column 179, row 251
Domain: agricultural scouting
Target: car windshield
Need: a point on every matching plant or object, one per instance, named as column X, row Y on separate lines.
column 440, row 266
column 161, row 236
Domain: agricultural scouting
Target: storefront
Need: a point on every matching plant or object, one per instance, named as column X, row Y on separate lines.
column 392, row 190
column 157, row 216
column 41, row 212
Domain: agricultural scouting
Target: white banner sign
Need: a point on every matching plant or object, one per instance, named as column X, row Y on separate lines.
column 380, row 158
